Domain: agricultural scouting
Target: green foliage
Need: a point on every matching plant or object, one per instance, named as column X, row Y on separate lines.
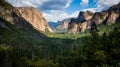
column 99, row 50
column 4, row 47
column 66, row 36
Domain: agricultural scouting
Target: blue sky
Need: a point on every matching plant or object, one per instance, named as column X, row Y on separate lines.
column 54, row 10
column 75, row 6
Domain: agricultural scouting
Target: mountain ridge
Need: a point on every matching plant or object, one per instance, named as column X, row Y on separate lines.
column 35, row 18
column 85, row 19
column 13, row 17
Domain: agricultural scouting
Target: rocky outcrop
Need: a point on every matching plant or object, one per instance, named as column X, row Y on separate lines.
column 62, row 26
column 107, row 17
column 83, row 16
column 75, row 25
column 100, row 17
column 73, row 28
column 11, row 15
column 78, row 27
column 80, row 24
column 112, row 18
column 35, row 18
column 85, row 19
column 18, row 16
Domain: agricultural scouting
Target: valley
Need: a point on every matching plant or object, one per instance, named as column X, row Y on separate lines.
column 89, row 40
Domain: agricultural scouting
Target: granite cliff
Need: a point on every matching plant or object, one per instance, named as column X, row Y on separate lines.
column 80, row 24
column 85, row 20
column 35, row 18
column 11, row 19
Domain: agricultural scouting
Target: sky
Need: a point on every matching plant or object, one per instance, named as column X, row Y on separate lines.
column 57, row 10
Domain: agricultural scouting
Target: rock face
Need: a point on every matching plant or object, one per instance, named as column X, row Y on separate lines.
column 13, row 16
column 19, row 16
column 85, row 19
column 105, row 17
column 62, row 26
column 112, row 18
column 83, row 16
column 10, row 14
column 100, row 17
column 75, row 25
column 80, row 27
column 35, row 18
column 80, row 24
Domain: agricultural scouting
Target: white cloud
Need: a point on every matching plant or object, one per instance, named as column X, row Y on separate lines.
column 75, row 14
column 84, row 3
column 42, row 4
column 56, row 7
column 107, row 2
column 104, row 4
column 21, row 3
column 100, row 5
column 56, row 15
